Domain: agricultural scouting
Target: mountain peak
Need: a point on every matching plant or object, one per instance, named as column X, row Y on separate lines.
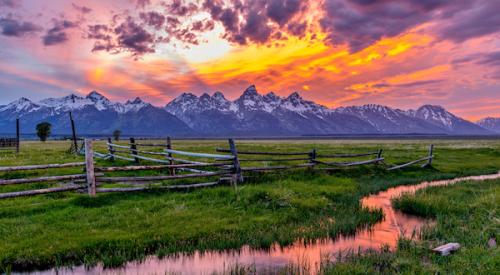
column 94, row 96
column 294, row 96
column 250, row 91
column 137, row 100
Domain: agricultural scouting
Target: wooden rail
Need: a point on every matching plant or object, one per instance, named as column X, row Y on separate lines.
column 41, row 166
column 264, row 153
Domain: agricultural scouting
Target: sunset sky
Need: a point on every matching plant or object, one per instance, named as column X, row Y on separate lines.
column 336, row 52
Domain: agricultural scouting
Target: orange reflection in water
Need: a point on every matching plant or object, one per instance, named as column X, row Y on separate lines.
column 386, row 232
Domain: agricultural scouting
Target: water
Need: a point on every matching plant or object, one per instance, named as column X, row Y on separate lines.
column 387, row 232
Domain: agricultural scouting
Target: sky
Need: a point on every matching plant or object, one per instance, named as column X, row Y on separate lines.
column 399, row 53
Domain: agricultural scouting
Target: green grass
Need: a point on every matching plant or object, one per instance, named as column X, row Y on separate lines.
column 467, row 213
column 70, row 228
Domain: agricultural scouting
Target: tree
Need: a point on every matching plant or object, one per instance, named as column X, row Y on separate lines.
column 43, row 130
column 117, row 134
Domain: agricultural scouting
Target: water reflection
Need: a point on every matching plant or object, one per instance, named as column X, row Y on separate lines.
column 386, row 232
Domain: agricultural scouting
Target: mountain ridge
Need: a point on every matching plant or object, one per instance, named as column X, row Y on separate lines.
column 250, row 114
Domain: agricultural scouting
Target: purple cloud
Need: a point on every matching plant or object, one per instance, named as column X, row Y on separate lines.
column 14, row 28
column 82, row 9
column 57, row 34
column 10, row 3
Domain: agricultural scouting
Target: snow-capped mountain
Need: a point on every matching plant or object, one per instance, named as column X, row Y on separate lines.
column 490, row 123
column 438, row 116
column 251, row 114
column 387, row 120
column 93, row 114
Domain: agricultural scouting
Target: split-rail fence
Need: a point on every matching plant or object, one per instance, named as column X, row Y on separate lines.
column 171, row 166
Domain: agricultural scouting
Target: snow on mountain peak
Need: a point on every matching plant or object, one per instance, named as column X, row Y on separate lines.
column 21, row 105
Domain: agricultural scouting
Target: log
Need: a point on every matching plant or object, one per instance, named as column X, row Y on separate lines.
column 446, row 249
column 111, row 149
column 41, row 166
column 347, row 164
column 89, row 167
column 408, row 163
column 200, row 155
column 41, row 191
column 347, row 155
column 157, row 178
column 263, row 153
column 123, row 158
column 275, row 160
column 304, row 165
column 170, row 187
column 169, row 156
column 133, row 149
column 155, row 167
column 42, row 179
column 236, row 163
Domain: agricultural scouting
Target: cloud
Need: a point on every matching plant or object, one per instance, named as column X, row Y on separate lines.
column 12, row 27
column 82, row 9
column 257, row 21
column 153, row 19
column 10, row 3
column 480, row 19
column 57, row 34
column 127, row 36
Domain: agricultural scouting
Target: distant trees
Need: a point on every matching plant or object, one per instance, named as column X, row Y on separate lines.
column 117, row 134
column 43, row 130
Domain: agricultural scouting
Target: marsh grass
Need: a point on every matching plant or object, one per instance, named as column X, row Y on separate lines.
column 70, row 228
column 467, row 213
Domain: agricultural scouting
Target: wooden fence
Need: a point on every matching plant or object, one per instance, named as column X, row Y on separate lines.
column 175, row 165
column 11, row 143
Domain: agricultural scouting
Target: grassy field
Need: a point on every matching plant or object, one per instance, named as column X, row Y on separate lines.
column 467, row 213
column 70, row 228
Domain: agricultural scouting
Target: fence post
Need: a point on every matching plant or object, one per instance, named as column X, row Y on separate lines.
column 312, row 157
column 431, row 150
column 18, row 135
column 73, row 132
column 133, row 149
column 237, row 177
column 89, row 167
column 169, row 146
column 379, row 155
column 111, row 150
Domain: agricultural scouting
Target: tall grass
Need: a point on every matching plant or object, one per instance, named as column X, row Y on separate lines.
column 69, row 228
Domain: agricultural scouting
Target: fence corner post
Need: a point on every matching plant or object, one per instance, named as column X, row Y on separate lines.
column 238, row 177
column 111, row 150
column 431, row 152
column 170, row 157
column 133, row 149
column 89, row 167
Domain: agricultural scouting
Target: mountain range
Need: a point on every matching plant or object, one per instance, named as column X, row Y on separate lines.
column 252, row 114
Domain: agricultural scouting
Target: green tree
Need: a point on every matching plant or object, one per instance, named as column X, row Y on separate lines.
column 43, row 130
column 117, row 134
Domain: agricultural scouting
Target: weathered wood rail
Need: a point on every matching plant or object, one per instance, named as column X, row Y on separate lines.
column 428, row 160
column 178, row 166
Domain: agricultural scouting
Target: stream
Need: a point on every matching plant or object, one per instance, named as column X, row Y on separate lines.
column 386, row 232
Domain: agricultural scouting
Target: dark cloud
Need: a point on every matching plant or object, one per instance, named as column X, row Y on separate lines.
column 10, row 3
column 153, row 19
column 180, row 8
column 360, row 23
column 82, row 9
column 281, row 11
column 126, row 36
column 57, row 34
column 12, row 27
column 481, row 19
column 251, row 21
